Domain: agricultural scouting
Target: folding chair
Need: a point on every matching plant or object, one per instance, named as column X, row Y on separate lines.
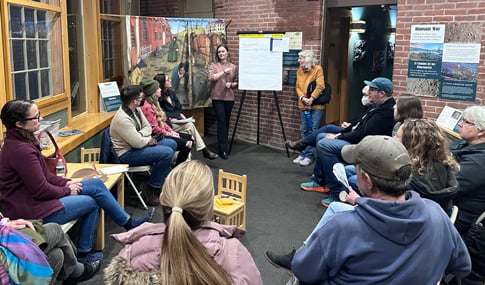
column 233, row 187
column 108, row 155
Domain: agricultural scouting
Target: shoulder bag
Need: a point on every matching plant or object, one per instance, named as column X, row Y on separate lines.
column 324, row 97
column 52, row 160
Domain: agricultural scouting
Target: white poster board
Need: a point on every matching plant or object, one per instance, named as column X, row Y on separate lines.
column 261, row 61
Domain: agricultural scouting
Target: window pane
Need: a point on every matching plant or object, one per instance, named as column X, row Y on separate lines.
column 110, row 7
column 41, row 24
column 45, row 80
column 16, row 26
column 44, row 53
column 18, row 55
column 29, row 23
column 111, row 48
column 76, row 54
column 20, row 92
column 32, row 54
column 34, row 85
column 37, row 67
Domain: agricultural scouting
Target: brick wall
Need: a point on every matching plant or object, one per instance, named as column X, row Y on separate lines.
column 412, row 12
column 266, row 15
column 255, row 15
column 305, row 16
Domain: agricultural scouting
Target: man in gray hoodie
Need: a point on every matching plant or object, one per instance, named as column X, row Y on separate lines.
column 389, row 235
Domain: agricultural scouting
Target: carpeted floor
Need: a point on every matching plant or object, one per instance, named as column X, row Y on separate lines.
column 279, row 214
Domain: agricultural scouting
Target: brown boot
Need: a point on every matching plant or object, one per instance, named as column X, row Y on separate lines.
column 209, row 154
column 150, row 195
column 299, row 145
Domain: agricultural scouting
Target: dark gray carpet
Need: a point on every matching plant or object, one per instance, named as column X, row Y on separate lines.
column 279, row 216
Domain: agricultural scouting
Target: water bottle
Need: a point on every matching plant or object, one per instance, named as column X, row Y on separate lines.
column 60, row 168
column 308, row 117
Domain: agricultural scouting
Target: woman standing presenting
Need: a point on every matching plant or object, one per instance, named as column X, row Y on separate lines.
column 223, row 76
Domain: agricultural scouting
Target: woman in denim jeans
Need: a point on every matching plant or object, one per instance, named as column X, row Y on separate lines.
column 311, row 114
column 31, row 191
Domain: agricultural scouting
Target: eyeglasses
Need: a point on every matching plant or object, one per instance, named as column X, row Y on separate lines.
column 413, row 121
column 33, row 118
column 467, row 122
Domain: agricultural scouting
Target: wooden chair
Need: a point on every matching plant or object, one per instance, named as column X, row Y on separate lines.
column 231, row 186
column 90, row 155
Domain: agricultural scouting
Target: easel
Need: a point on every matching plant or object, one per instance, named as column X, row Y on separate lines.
column 260, row 56
column 276, row 101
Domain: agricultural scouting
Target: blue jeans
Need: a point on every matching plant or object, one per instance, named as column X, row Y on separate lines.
column 328, row 153
column 329, row 213
column 352, row 177
column 94, row 195
column 312, row 138
column 317, row 116
column 308, row 152
column 158, row 156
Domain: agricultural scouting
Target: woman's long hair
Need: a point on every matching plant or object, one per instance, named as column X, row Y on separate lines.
column 184, row 260
column 408, row 107
column 162, row 78
column 426, row 144
column 161, row 116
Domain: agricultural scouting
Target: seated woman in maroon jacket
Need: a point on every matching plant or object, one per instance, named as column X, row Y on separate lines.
column 30, row 191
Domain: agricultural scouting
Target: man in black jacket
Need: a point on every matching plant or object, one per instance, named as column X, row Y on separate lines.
column 378, row 119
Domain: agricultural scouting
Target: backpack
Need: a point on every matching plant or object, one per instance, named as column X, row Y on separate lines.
column 324, row 97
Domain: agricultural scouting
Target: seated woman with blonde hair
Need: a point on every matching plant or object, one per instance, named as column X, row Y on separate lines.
column 188, row 248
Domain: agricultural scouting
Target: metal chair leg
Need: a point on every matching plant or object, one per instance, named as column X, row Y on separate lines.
column 138, row 193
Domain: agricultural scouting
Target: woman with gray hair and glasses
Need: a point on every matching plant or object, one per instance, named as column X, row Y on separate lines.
column 309, row 73
column 470, row 154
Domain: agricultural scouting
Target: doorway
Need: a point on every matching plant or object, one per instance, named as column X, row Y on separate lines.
column 358, row 45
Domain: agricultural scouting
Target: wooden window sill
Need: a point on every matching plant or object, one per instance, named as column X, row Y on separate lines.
column 89, row 123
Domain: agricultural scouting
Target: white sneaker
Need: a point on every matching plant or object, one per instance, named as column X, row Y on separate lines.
column 305, row 161
column 298, row 159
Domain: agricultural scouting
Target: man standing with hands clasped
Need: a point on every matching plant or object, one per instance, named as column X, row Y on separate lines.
column 389, row 235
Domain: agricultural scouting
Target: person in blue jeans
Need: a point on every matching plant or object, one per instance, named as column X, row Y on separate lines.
column 30, row 191
column 309, row 74
column 397, row 220
column 131, row 135
column 377, row 119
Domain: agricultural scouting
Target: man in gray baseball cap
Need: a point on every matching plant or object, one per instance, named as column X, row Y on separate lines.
column 390, row 233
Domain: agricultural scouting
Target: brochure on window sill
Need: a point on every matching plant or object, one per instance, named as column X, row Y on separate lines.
column 183, row 121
